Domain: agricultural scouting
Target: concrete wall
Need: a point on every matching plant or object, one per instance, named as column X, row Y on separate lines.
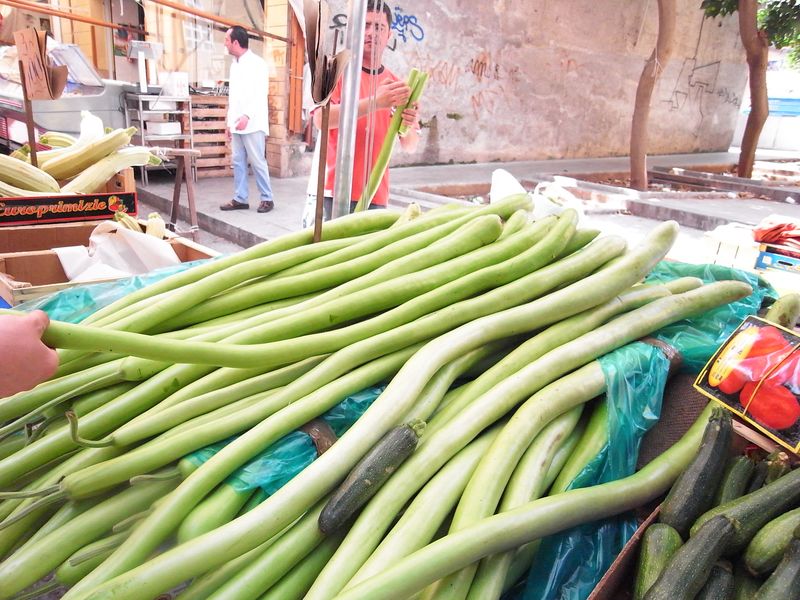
column 534, row 79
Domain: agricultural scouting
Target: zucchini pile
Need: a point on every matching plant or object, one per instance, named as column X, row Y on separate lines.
column 486, row 328
column 71, row 166
column 729, row 529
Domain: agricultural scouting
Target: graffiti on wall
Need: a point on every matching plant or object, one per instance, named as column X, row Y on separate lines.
column 406, row 27
column 698, row 81
column 692, row 82
column 482, row 79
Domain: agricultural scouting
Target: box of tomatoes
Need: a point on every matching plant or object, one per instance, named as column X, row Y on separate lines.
column 756, row 374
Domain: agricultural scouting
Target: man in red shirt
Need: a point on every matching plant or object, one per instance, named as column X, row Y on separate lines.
column 379, row 94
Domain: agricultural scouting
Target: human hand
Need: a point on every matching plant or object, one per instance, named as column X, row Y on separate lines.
column 392, row 93
column 228, row 135
column 242, row 122
column 27, row 361
column 411, row 116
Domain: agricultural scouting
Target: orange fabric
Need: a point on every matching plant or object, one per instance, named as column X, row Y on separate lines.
column 361, row 166
column 781, row 231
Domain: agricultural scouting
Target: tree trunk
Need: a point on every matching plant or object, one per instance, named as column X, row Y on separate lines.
column 756, row 47
column 650, row 74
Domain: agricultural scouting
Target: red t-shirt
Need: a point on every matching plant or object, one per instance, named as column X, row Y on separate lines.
column 379, row 120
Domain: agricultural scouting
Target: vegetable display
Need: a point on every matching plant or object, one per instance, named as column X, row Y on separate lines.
column 753, row 522
column 72, row 166
column 485, row 329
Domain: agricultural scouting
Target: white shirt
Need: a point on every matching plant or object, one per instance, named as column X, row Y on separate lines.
column 248, row 87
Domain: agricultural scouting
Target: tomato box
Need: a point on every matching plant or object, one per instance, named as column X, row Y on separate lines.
column 756, row 375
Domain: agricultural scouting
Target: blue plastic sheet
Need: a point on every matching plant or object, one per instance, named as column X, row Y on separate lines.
column 284, row 459
column 76, row 303
column 698, row 338
column 569, row 565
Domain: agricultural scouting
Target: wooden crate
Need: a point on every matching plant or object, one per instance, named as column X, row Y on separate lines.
column 208, row 126
column 30, row 269
column 617, row 583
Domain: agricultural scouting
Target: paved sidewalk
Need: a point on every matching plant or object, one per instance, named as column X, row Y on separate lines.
column 247, row 227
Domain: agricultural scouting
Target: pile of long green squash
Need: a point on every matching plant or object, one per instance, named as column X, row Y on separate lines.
column 486, row 327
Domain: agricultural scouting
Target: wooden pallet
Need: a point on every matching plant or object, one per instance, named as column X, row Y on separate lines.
column 208, row 127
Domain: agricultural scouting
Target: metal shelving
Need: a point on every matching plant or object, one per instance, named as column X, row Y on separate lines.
column 138, row 107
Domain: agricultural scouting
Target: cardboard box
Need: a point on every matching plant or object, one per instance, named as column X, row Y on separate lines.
column 617, row 582
column 39, row 210
column 30, row 269
column 732, row 246
column 755, row 374
column 163, row 127
column 770, row 257
column 122, row 182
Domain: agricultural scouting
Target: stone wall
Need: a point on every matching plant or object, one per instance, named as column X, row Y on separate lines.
column 537, row 79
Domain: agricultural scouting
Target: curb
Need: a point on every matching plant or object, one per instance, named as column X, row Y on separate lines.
column 205, row 221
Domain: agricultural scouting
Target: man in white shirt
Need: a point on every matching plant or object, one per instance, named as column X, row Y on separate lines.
column 248, row 120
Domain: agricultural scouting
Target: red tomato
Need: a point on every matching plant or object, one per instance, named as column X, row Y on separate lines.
column 774, row 405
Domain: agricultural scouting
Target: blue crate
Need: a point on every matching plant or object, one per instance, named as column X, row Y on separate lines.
column 775, row 260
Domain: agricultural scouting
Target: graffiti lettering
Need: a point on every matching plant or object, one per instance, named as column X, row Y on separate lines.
column 441, row 72
column 339, row 21
column 486, row 101
column 729, row 96
column 444, row 73
column 482, row 69
column 693, row 78
column 407, row 26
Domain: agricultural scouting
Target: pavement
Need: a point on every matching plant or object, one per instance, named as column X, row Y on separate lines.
column 429, row 185
column 612, row 209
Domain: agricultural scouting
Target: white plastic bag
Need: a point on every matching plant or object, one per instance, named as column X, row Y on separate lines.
column 504, row 184
column 115, row 251
column 92, row 128
column 551, row 198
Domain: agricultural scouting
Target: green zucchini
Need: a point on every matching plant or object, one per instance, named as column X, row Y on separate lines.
column 719, row 585
column 689, row 569
column 745, row 585
column 369, row 475
column 659, row 543
column 784, row 583
column 759, row 476
column 735, row 479
column 756, row 509
column 785, row 311
column 778, row 465
column 693, row 492
column 766, row 549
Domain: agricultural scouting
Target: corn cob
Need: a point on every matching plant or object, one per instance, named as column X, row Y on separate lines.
column 25, row 176
column 56, row 139
column 72, row 161
column 127, row 221
column 104, row 169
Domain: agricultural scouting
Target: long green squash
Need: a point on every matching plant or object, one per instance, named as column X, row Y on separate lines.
column 313, row 483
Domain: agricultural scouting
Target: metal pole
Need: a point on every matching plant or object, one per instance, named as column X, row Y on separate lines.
column 354, row 41
column 28, row 104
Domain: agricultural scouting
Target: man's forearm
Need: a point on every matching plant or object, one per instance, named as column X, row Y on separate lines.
column 364, row 108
